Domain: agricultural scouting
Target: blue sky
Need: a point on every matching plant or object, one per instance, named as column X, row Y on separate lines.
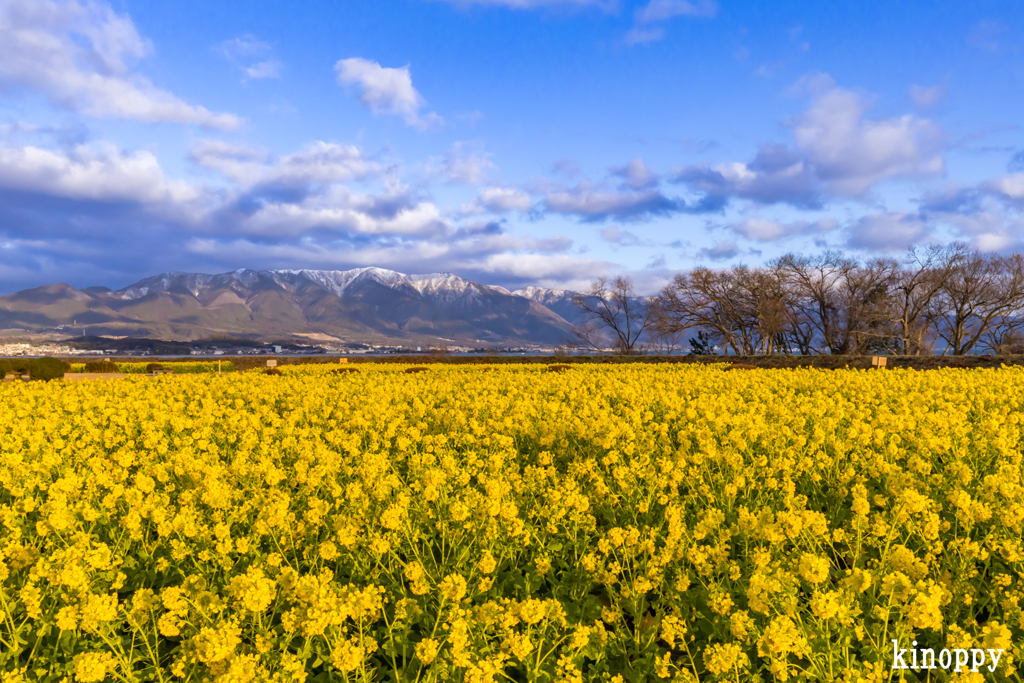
column 509, row 141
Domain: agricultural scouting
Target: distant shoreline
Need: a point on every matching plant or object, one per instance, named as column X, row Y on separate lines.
column 823, row 362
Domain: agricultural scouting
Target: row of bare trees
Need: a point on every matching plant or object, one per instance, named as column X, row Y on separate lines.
column 943, row 299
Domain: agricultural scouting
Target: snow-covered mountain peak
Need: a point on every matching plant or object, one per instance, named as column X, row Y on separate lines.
column 542, row 294
column 446, row 289
column 435, row 282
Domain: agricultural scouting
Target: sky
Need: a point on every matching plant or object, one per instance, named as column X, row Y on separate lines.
column 511, row 142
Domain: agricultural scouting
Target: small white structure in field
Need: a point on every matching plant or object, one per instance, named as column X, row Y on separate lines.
column 271, row 363
column 878, row 361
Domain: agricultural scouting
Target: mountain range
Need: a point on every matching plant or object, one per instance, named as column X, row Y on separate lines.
column 363, row 305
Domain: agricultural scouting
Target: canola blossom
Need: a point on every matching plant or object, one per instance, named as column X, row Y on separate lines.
column 481, row 523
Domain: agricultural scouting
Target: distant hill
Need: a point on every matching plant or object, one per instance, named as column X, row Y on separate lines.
column 364, row 304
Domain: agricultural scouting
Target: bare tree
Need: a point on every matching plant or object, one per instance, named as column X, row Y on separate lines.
column 832, row 304
column 798, row 329
column 702, row 298
column 743, row 308
column 913, row 301
column 979, row 292
column 837, row 299
column 865, row 297
column 611, row 308
column 665, row 339
column 1005, row 336
column 766, row 305
column 813, row 283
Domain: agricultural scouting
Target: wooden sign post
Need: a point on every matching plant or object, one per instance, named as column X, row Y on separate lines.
column 878, row 361
column 271, row 363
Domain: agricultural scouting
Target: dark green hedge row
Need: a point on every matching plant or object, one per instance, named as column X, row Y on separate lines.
column 45, row 368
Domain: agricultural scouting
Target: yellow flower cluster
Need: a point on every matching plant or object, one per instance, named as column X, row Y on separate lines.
column 467, row 523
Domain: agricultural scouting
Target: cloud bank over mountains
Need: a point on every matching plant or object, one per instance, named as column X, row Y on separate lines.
column 111, row 168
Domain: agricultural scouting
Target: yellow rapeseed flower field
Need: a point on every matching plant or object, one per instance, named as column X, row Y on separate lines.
column 506, row 523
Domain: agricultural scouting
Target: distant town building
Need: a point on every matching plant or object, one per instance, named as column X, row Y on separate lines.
column 40, row 350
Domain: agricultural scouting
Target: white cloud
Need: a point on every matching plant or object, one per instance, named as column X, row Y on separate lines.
column 384, row 90
column 65, row 135
column 342, row 211
column 77, row 54
column 546, row 270
column 570, row 168
column 888, row 231
column 775, row 175
column 657, row 11
column 235, row 162
column 270, row 68
column 466, row 164
column 1009, row 187
column 405, row 256
column 813, row 84
column 635, row 175
column 484, row 259
column 20, row 127
column 244, row 46
column 282, row 196
column 987, row 215
column 851, row 153
column 300, row 192
column 720, row 251
column 91, row 172
column 616, row 235
column 318, row 162
column 992, row 242
column 764, row 230
column 594, row 202
column 251, row 56
column 836, row 151
column 759, row 229
column 98, row 209
column 662, row 10
column 989, row 229
column 925, row 97
column 325, row 162
column 498, row 200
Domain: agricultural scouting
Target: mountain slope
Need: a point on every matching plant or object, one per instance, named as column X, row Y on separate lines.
column 364, row 304
column 558, row 301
